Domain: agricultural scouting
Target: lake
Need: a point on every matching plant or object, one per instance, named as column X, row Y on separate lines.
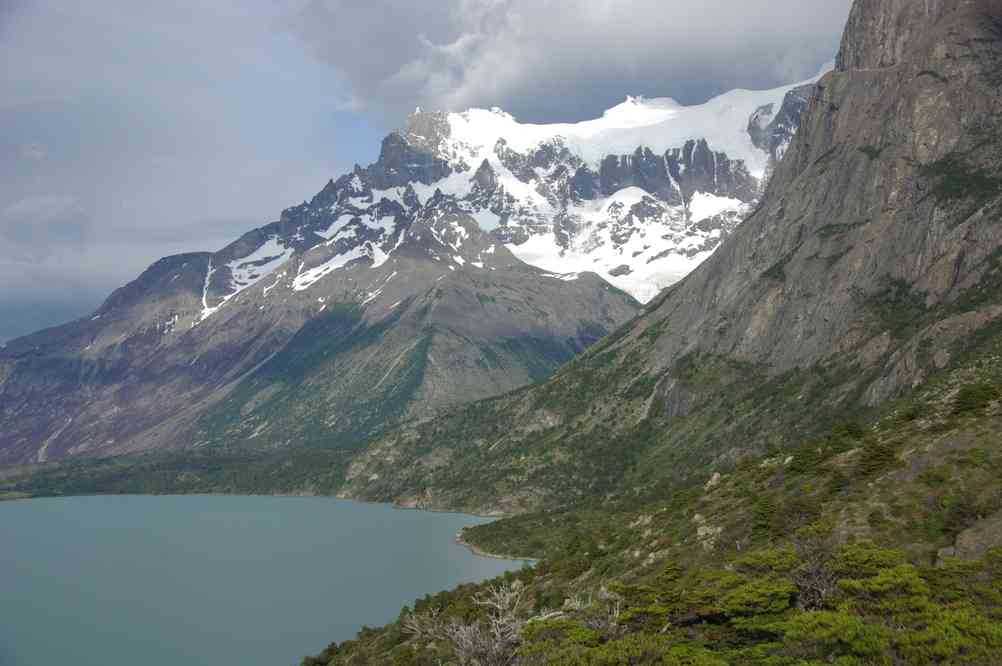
column 166, row 581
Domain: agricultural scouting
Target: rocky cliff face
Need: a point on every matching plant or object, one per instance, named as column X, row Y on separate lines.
column 881, row 34
column 889, row 186
column 871, row 264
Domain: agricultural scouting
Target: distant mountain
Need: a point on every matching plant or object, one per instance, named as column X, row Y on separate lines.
column 640, row 196
column 312, row 330
column 466, row 261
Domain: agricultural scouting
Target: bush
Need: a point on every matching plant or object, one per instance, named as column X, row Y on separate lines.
column 862, row 560
column 876, row 457
column 974, row 397
column 873, row 152
column 827, row 635
column 956, row 180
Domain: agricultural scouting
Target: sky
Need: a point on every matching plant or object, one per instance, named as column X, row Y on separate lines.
column 134, row 129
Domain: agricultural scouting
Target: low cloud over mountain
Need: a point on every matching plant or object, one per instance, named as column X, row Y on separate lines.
column 564, row 60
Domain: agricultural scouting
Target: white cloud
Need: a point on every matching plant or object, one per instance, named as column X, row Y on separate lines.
column 550, row 60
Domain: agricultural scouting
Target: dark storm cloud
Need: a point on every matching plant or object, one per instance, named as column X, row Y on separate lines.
column 135, row 129
column 566, row 59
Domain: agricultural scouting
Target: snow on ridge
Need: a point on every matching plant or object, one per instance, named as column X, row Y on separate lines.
column 659, row 124
column 311, row 276
column 566, row 277
column 206, row 310
column 627, row 197
column 645, row 281
column 336, row 227
column 247, row 271
column 659, row 250
column 704, row 205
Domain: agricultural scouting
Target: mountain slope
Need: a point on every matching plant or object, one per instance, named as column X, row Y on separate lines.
column 862, row 547
column 871, row 263
column 383, row 306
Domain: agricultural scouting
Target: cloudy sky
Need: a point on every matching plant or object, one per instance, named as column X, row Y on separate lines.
column 131, row 129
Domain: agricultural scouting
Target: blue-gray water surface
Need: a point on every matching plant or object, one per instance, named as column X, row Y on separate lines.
column 242, row 581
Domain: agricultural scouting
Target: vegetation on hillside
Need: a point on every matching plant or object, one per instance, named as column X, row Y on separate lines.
column 865, row 545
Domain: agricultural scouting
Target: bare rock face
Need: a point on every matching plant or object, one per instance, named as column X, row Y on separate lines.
column 861, row 201
column 975, row 541
column 880, row 33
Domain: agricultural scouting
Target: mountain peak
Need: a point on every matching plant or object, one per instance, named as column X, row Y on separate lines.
column 563, row 196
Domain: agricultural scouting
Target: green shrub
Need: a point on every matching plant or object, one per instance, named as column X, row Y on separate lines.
column 765, row 561
column 873, row 152
column 876, row 457
column 759, row 596
column 953, row 179
column 861, row 560
column 974, row 397
column 899, row 308
column 763, row 516
column 562, row 631
column 828, row 635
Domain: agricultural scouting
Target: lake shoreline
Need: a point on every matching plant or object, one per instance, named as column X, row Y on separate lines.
column 458, row 539
column 14, row 496
column 476, row 550
column 275, row 565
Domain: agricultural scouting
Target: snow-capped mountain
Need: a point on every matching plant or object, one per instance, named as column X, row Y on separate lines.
column 639, row 196
column 466, row 261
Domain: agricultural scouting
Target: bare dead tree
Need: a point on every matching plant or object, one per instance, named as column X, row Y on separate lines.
column 601, row 615
column 492, row 641
column 578, row 602
column 815, row 576
column 426, row 626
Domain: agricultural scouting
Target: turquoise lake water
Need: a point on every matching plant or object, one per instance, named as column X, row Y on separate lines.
column 242, row 581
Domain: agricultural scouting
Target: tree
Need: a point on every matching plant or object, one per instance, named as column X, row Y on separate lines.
column 492, row 640
column 814, row 575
